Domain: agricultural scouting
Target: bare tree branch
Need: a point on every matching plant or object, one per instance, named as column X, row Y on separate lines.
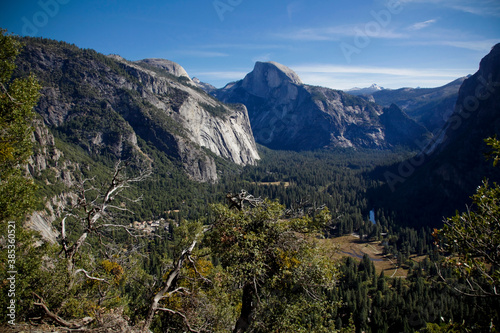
column 6, row 92
column 89, row 276
column 239, row 200
column 186, row 322
column 165, row 291
column 481, row 294
column 198, row 273
column 96, row 210
column 56, row 318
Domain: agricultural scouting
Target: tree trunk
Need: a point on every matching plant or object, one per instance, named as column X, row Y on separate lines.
column 246, row 309
column 164, row 292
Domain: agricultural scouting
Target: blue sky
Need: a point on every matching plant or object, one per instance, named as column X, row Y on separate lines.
column 337, row 44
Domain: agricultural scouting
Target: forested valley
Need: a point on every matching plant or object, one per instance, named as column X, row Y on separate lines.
column 298, row 242
column 127, row 268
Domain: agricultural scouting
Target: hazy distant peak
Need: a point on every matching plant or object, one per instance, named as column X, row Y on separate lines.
column 207, row 87
column 365, row 91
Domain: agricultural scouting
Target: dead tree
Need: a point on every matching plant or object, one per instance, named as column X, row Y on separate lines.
column 239, row 200
column 169, row 288
column 303, row 208
column 93, row 210
column 60, row 321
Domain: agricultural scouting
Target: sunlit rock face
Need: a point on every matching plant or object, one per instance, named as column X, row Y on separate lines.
column 152, row 100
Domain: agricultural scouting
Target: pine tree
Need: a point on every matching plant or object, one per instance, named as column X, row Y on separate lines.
column 17, row 99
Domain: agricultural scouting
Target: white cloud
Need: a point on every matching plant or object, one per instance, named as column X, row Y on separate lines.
column 223, row 75
column 418, row 72
column 476, row 7
column 243, row 46
column 337, row 32
column 421, row 25
column 483, row 46
column 292, row 8
column 194, row 53
column 203, row 54
column 362, row 81
column 481, row 8
column 345, row 77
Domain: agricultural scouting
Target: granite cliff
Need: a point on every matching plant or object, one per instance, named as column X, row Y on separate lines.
column 105, row 104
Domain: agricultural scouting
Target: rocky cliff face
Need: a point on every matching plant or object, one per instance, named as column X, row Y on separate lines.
column 447, row 172
column 96, row 109
column 287, row 114
column 106, row 104
column 400, row 129
column 476, row 114
column 267, row 76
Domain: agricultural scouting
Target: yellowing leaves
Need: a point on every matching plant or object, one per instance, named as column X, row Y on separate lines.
column 287, row 260
column 200, row 267
column 114, row 269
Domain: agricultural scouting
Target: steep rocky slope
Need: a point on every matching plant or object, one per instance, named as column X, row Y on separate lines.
column 287, row 114
column 448, row 170
column 106, row 104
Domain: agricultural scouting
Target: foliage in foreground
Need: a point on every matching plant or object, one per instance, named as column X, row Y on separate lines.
column 283, row 276
column 17, row 99
column 471, row 241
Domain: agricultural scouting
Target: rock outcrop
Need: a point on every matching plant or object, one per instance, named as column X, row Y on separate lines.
column 167, row 65
column 267, row 76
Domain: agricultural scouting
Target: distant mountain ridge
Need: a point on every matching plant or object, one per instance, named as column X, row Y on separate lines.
column 288, row 114
column 364, row 91
column 430, row 107
column 207, row 87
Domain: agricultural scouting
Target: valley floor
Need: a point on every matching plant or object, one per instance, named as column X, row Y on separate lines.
column 352, row 246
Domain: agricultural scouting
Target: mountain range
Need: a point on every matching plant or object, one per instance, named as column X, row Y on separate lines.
column 105, row 105
column 430, row 107
column 287, row 114
column 102, row 120
column 108, row 108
